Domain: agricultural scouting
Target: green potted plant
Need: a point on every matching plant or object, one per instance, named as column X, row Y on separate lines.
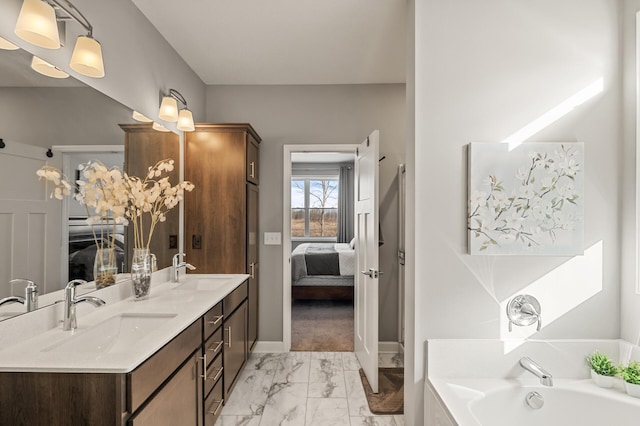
column 631, row 376
column 603, row 370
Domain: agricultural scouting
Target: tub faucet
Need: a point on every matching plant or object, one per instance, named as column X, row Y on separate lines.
column 176, row 265
column 530, row 365
column 70, row 302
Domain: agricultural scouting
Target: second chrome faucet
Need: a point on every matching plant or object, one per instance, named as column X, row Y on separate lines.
column 70, row 301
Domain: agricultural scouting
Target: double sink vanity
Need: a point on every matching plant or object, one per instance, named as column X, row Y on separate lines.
column 171, row 359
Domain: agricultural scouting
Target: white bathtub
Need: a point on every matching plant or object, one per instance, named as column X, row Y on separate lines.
column 466, row 389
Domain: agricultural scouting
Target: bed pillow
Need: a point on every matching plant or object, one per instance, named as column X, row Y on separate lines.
column 352, row 244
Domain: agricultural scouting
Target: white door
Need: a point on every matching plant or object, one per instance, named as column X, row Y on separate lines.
column 366, row 277
column 30, row 221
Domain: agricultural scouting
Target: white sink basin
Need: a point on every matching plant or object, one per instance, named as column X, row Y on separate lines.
column 114, row 335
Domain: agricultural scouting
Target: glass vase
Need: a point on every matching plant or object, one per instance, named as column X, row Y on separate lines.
column 105, row 267
column 142, row 266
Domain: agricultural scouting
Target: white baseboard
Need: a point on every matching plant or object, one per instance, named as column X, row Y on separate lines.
column 278, row 347
column 268, row 347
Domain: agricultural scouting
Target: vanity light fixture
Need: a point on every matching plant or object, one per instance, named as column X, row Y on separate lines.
column 7, row 45
column 169, row 111
column 159, row 127
column 37, row 24
column 141, row 117
column 45, row 68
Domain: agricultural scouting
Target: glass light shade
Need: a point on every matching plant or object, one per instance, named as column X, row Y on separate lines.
column 45, row 68
column 168, row 109
column 141, row 117
column 185, row 121
column 37, row 24
column 87, row 57
column 159, row 127
column 7, row 45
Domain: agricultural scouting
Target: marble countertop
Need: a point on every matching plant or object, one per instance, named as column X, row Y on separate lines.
column 181, row 304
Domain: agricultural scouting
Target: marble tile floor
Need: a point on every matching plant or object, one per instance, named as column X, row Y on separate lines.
column 304, row 389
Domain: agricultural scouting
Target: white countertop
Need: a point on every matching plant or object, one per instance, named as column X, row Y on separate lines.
column 184, row 305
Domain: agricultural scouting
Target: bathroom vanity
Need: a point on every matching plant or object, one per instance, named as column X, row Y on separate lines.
column 170, row 360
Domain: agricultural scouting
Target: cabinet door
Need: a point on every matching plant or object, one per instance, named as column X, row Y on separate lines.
column 253, row 237
column 177, row 402
column 253, row 156
column 235, row 347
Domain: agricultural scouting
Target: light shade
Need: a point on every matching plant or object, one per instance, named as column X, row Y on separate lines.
column 168, row 109
column 37, row 24
column 141, row 117
column 159, row 127
column 45, row 68
column 185, row 121
column 7, row 45
column 87, row 57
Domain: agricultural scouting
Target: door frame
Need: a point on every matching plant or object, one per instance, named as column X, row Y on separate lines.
column 286, row 227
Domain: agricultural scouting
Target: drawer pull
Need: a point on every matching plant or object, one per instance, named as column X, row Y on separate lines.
column 252, row 267
column 204, row 358
column 217, row 376
column 215, row 412
column 217, row 348
column 229, row 341
column 252, row 165
column 217, row 320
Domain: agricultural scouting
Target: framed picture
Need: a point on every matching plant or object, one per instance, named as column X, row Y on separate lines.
column 529, row 200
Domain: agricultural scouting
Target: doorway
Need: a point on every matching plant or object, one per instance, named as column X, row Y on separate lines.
column 318, row 313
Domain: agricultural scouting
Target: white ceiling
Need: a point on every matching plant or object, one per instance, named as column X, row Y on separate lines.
column 286, row 41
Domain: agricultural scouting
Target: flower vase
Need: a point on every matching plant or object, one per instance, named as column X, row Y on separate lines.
column 142, row 266
column 105, row 267
column 602, row 381
column 632, row 389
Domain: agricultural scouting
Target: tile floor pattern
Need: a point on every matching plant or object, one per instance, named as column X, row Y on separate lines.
column 303, row 389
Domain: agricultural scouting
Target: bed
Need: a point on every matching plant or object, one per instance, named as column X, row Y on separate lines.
column 322, row 271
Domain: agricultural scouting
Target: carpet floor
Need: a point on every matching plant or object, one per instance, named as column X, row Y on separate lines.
column 322, row 325
column 390, row 396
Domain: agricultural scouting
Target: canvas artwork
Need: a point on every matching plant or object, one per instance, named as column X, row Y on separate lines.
column 529, row 200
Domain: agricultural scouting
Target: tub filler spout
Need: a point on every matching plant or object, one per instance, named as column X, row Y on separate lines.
column 534, row 368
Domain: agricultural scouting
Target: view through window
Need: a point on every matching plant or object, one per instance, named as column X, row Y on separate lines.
column 314, row 207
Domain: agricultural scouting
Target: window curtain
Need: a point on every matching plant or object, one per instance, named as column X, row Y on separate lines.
column 345, row 204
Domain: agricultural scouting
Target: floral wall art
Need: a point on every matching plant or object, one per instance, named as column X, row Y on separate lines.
column 529, row 200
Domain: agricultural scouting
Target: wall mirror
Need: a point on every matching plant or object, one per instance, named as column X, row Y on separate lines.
column 37, row 113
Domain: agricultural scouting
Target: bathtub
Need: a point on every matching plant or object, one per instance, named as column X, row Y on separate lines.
column 478, row 383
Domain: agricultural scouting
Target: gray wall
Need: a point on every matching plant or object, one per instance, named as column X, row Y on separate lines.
column 343, row 114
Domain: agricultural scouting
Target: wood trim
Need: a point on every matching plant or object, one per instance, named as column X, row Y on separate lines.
column 230, row 127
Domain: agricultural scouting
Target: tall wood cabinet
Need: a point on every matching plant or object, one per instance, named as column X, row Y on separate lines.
column 221, row 214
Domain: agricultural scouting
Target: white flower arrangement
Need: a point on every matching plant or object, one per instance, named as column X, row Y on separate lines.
column 110, row 194
column 533, row 213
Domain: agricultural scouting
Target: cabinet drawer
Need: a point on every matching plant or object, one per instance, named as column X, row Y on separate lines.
column 212, row 320
column 214, row 374
column 233, row 300
column 213, row 405
column 148, row 377
column 213, row 345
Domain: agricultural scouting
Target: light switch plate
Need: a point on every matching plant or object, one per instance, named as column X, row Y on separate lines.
column 272, row 238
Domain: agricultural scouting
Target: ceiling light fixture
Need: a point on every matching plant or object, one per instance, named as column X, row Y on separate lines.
column 45, row 68
column 7, row 45
column 169, row 111
column 141, row 117
column 159, row 127
column 37, row 24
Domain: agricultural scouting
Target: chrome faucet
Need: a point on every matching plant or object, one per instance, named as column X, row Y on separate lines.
column 176, row 265
column 530, row 365
column 70, row 302
column 30, row 299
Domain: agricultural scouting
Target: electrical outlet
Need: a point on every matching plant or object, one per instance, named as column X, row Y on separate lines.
column 173, row 241
column 196, row 242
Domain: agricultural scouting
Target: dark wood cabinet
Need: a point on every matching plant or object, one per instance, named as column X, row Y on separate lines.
column 221, row 214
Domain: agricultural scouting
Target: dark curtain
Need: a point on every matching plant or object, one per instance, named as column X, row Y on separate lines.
column 345, row 204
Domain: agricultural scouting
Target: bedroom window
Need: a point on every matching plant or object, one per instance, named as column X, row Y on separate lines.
column 314, row 208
